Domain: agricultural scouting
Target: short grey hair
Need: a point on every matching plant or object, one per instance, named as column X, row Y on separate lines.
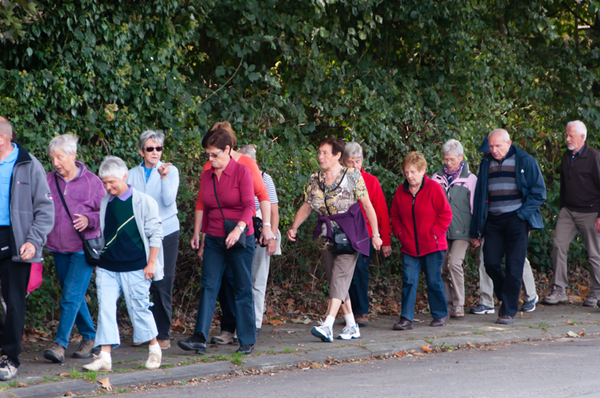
column 156, row 136
column 502, row 132
column 112, row 166
column 66, row 142
column 352, row 150
column 579, row 127
column 6, row 128
column 248, row 150
column 453, row 146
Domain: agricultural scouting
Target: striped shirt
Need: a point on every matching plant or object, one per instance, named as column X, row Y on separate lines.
column 504, row 197
column 270, row 190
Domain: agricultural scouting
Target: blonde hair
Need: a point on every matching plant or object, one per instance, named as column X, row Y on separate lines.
column 414, row 158
column 225, row 125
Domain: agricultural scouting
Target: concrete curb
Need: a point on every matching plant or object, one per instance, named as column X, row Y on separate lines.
column 287, row 360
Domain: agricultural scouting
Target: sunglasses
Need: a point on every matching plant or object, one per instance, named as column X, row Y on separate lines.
column 151, row 149
column 209, row 155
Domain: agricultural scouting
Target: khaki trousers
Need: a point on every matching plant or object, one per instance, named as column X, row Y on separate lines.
column 452, row 272
column 567, row 225
column 486, row 286
column 339, row 271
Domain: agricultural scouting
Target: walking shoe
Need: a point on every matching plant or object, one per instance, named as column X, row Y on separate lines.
column 439, row 322
column 222, row 338
column 245, row 349
column 193, row 343
column 55, row 353
column 154, row 359
column 590, row 301
column 8, row 370
column 482, row 310
column 556, row 296
column 456, row 311
column 134, row 344
column 325, row 333
column 505, row 320
column 362, row 320
column 86, row 349
column 403, row 324
column 102, row 363
column 164, row 344
column 349, row 333
column 529, row 306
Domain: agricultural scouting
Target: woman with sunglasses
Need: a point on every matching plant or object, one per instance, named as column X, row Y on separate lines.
column 160, row 181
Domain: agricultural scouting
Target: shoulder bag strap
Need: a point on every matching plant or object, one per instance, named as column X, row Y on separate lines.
column 62, row 198
column 325, row 192
column 217, row 198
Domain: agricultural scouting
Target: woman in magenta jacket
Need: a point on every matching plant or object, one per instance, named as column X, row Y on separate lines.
column 420, row 218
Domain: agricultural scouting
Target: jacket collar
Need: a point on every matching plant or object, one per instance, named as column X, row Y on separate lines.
column 24, row 156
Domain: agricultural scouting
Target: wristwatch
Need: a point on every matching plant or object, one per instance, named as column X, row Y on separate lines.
column 376, row 236
column 266, row 224
column 240, row 227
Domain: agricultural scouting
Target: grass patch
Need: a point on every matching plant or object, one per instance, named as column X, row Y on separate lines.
column 543, row 326
column 411, row 338
column 478, row 332
column 288, row 350
column 237, row 358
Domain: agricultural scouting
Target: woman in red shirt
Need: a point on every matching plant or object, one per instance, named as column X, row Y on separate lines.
column 227, row 194
column 420, row 218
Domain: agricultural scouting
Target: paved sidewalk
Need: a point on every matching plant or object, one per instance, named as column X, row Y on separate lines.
column 288, row 345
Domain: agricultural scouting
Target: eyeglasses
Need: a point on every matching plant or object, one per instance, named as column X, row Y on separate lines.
column 151, row 149
column 212, row 155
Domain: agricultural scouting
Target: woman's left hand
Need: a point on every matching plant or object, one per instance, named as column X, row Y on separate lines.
column 377, row 242
column 80, row 222
column 233, row 237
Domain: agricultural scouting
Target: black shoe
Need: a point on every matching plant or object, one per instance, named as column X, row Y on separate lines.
column 439, row 322
column 193, row 343
column 246, row 349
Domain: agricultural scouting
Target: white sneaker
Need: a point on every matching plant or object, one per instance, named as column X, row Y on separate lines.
column 325, row 333
column 102, row 363
column 349, row 333
column 154, row 359
column 8, row 370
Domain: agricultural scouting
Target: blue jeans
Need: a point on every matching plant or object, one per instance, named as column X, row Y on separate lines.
column 359, row 289
column 74, row 275
column 136, row 290
column 217, row 258
column 432, row 265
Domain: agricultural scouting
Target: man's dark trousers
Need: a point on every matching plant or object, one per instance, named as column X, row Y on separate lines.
column 14, row 278
column 506, row 235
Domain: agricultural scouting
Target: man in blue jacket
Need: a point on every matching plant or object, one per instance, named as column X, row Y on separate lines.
column 510, row 189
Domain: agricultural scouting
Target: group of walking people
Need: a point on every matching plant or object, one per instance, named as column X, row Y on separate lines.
column 123, row 224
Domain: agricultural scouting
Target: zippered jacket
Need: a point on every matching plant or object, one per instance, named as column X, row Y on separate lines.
column 31, row 208
column 420, row 222
column 460, row 193
column 529, row 181
column 82, row 195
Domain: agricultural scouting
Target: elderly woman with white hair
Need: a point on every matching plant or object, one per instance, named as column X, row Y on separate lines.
column 161, row 181
column 459, row 183
column 131, row 257
column 82, row 192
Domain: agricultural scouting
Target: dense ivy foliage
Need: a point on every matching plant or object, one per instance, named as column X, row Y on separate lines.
column 394, row 75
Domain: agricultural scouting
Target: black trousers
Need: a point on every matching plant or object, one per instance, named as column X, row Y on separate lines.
column 506, row 237
column 162, row 291
column 14, row 278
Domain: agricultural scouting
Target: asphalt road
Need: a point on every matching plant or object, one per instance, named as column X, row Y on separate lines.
column 561, row 368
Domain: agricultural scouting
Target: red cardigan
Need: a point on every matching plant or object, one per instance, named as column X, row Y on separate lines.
column 381, row 210
column 417, row 223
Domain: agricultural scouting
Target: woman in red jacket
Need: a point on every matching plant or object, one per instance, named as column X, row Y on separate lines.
column 420, row 218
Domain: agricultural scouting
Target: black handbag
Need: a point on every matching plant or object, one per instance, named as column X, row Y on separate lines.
column 91, row 247
column 230, row 224
column 341, row 243
column 258, row 228
column 5, row 250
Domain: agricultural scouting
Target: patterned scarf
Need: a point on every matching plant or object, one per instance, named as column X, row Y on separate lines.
column 452, row 175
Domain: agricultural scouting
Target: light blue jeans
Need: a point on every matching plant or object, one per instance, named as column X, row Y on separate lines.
column 136, row 289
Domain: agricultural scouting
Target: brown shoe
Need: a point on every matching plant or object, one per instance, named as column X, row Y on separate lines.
column 456, row 311
column 505, row 320
column 557, row 296
column 164, row 344
column 362, row 320
column 403, row 324
column 439, row 322
column 222, row 338
column 86, row 347
column 55, row 353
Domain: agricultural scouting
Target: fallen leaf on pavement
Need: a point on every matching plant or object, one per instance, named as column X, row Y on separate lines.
column 572, row 334
column 105, row 384
column 276, row 322
column 426, row 349
column 582, row 333
column 68, row 394
column 22, row 384
column 63, row 374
